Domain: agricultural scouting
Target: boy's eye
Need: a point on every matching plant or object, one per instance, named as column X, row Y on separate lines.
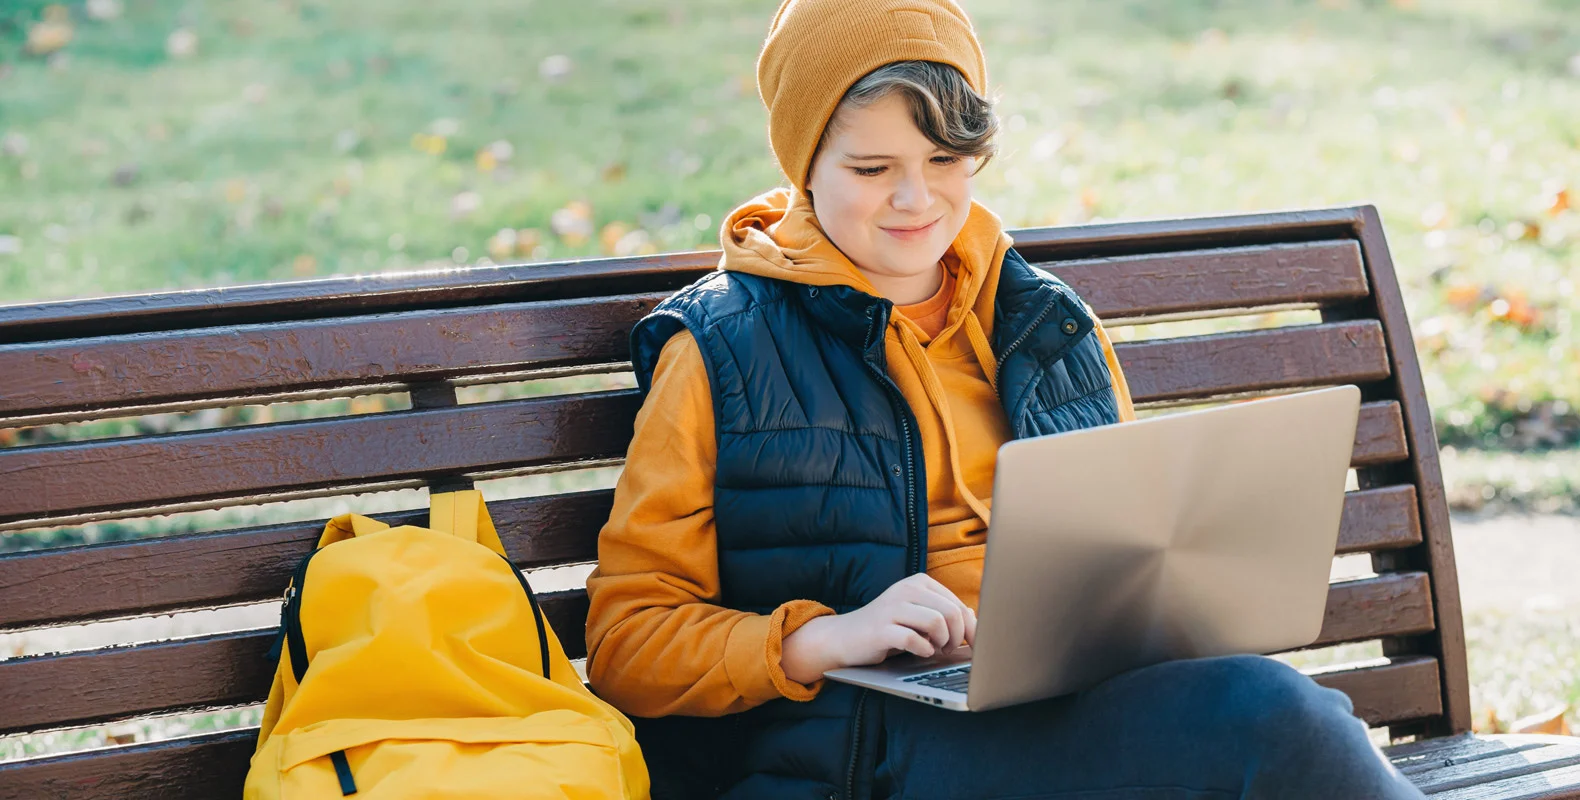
column 868, row 172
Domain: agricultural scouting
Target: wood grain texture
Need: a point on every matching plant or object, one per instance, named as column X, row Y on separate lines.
column 1225, row 278
column 235, row 361
column 229, row 669
column 1397, row 604
column 253, row 564
column 1202, row 367
column 1438, row 545
column 315, row 299
column 1403, row 689
column 1512, row 767
column 239, row 462
column 150, row 576
column 1379, row 435
column 363, row 294
column 212, row 766
column 206, row 767
column 1379, row 519
column 39, row 692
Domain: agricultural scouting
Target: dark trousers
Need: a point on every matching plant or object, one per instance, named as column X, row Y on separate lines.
column 1231, row 727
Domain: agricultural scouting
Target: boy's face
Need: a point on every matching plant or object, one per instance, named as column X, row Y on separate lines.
column 877, row 180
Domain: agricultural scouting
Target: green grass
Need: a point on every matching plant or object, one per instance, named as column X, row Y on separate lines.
column 297, row 141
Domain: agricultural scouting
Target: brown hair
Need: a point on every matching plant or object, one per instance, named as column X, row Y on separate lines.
column 944, row 107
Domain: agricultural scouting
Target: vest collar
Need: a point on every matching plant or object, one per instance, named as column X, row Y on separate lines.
column 1029, row 299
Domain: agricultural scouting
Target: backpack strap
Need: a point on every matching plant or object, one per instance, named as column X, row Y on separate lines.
column 348, row 526
column 464, row 515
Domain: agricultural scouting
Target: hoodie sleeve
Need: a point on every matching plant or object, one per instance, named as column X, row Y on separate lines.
column 657, row 644
column 1127, row 409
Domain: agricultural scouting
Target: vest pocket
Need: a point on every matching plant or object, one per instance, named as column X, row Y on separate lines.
column 554, row 754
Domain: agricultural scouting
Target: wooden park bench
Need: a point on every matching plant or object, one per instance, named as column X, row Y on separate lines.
column 426, row 333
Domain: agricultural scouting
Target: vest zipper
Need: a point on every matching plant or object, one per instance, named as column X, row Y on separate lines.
column 855, row 752
column 1024, row 335
column 916, row 541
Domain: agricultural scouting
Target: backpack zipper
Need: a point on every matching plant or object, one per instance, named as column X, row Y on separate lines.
column 291, row 618
column 537, row 614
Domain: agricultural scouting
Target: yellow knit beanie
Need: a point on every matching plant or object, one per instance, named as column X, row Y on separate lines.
column 817, row 49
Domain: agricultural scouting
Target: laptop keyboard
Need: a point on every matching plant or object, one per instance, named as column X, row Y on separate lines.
column 950, row 680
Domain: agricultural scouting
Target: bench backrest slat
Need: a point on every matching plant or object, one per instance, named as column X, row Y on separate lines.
column 234, row 361
column 241, row 462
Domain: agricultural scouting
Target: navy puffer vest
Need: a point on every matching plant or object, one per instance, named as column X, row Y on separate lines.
column 821, row 490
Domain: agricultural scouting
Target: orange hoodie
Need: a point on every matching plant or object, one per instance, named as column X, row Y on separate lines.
column 657, row 643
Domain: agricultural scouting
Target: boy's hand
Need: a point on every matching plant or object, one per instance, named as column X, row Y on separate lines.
column 917, row 615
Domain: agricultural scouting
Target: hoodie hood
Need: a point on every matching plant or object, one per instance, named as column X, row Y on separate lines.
column 776, row 235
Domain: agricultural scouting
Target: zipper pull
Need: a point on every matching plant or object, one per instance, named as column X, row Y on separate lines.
column 279, row 638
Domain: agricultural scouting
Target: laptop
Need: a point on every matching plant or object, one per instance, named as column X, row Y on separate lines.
column 1218, row 538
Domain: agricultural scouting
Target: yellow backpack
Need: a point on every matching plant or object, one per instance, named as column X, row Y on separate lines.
column 416, row 663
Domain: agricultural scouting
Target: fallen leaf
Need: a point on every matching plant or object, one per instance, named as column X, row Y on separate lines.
column 181, row 43
column 304, row 266
column 1463, row 295
column 464, row 203
column 1558, row 202
column 47, row 37
column 611, row 235
column 528, row 240
column 502, row 244
column 432, row 144
column 104, row 9
column 555, row 68
column 14, row 145
column 1550, row 721
column 613, row 172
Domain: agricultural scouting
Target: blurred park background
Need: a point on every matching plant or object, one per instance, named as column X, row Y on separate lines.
column 158, row 144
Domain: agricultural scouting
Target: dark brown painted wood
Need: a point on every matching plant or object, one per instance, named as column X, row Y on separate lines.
column 1403, row 689
column 252, row 564
column 1111, row 239
column 235, row 361
column 229, row 669
column 249, row 565
column 99, row 685
column 207, row 767
column 1175, row 283
column 70, row 319
column 39, row 692
column 1394, row 444
column 338, row 297
column 1400, row 690
column 1397, row 604
column 127, row 473
column 1379, row 435
column 1201, row 367
column 1438, row 556
column 1379, row 519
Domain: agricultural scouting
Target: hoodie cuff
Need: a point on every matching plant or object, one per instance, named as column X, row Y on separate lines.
column 756, row 646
